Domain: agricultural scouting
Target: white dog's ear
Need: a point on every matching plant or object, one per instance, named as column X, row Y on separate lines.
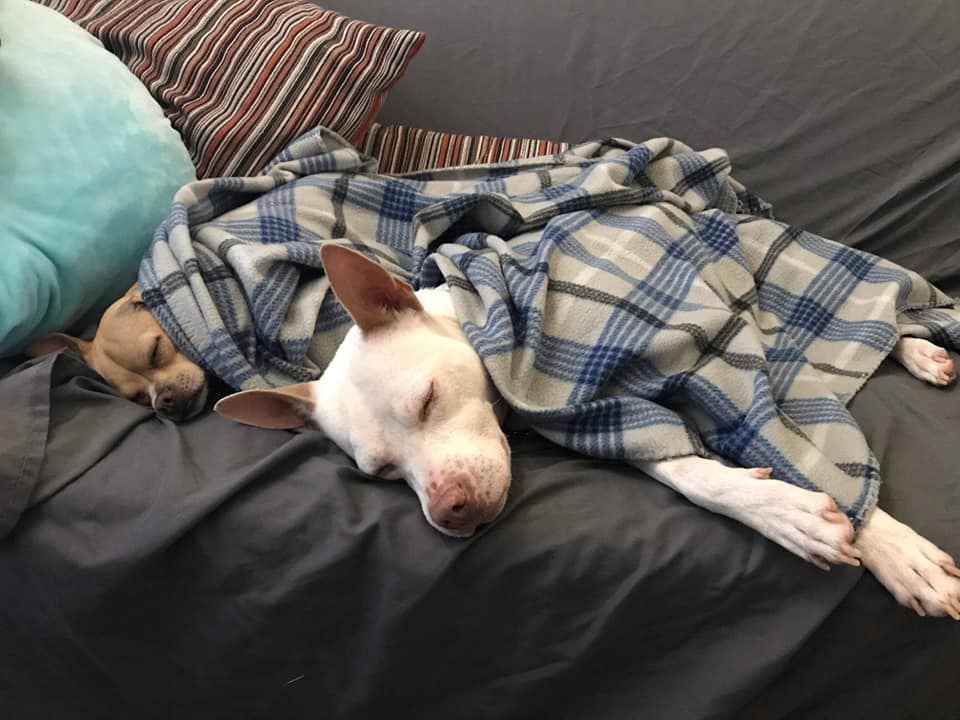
column 57, row 341
column 279, row 409
column 371, row 295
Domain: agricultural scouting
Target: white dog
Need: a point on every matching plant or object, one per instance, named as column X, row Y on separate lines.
column 407, row 397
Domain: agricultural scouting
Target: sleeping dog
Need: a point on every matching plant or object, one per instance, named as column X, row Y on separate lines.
column 132, row 352
column 434, row 421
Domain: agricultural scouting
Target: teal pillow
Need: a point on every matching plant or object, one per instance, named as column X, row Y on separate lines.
column 89, row 167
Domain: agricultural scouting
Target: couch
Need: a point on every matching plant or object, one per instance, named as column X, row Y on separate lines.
column 217, row 570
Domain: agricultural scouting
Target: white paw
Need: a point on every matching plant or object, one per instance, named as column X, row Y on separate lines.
column 925, row 361
column 918, row 573
column 805, row 522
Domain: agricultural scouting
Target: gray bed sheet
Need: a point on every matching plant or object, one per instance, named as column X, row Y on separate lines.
column 215, row 570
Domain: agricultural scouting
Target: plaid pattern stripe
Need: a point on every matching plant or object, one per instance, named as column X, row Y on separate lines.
column 240, row 79
column 631, row 301
column 403, row 149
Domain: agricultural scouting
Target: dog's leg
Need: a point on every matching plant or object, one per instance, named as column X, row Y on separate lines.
column 918, row 573
column 926, row 361
column 805, row 522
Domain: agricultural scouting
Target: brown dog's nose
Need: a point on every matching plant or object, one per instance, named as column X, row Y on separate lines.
column 164, row 402
column 173, row 405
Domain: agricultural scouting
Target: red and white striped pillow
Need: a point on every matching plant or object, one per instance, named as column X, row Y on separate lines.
column 240, row 79
column 402, row 149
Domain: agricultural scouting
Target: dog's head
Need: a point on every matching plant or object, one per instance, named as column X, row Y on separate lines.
column 133, row 353
column 405, row 395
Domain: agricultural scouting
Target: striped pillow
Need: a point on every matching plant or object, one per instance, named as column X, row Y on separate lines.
column 240, row 79
column 401, row 149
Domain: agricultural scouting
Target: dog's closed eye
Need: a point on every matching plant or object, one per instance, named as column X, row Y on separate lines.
column 155, row 353
column 428, row 401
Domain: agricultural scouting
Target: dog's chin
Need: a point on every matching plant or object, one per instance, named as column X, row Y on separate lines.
column 459, row 533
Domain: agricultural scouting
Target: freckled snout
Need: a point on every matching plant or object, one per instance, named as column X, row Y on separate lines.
column 455, row 507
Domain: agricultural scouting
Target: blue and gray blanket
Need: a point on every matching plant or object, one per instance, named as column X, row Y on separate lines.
column 630, row 301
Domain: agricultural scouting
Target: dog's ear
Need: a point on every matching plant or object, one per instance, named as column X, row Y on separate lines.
column 371, row 295
column 283, row 408
column 58, row 341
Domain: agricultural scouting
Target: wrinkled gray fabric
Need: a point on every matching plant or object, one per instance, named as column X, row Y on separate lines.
column 211, row 569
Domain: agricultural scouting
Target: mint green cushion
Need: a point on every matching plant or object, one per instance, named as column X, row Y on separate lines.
column 89, row 165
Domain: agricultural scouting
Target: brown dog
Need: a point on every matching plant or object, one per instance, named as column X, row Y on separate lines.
column 132, row 352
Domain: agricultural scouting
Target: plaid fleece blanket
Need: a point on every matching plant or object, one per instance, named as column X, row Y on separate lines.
column 630, row 301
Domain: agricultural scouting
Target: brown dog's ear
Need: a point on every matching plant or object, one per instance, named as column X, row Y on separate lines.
column 371, row 295
column 57, row 341
column 279, row 409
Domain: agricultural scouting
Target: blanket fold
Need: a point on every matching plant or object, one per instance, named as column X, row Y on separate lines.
column 630, row 301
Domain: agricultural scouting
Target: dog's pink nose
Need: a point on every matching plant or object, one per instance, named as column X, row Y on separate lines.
column 454, row 506
column 449, row 505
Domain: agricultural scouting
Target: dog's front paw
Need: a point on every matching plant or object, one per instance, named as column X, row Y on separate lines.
column 918, row 573
column 806, row 523
column 926, row 361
